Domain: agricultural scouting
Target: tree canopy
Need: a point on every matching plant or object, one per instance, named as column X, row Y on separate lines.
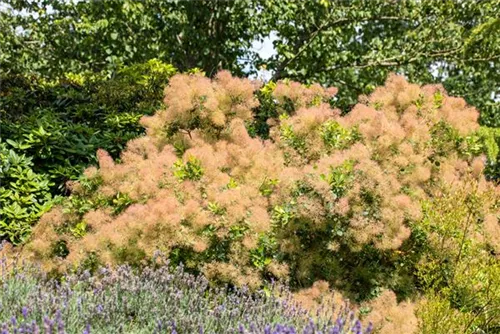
column 352, row 45
column 53, row 37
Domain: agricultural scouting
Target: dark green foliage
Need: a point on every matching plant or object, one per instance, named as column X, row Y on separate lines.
column 24, row 195
column 490, row 140
column 484, row 141
column 131, row 254
column 60, row 249
column 266, row 110
column 106, row 35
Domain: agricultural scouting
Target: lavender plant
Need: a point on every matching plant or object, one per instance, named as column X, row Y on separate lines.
column 158, row 299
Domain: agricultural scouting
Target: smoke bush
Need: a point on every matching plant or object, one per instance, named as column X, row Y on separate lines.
column 323, row 188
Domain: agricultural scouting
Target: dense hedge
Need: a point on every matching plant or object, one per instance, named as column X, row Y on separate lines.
column 54, row 128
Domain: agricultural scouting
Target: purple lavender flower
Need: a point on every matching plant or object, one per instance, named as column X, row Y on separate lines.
column 24, row 312
column 142, row 297
column 60, row 323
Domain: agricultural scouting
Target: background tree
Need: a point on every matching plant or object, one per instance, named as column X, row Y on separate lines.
column 353, row 45
column 53, row 37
